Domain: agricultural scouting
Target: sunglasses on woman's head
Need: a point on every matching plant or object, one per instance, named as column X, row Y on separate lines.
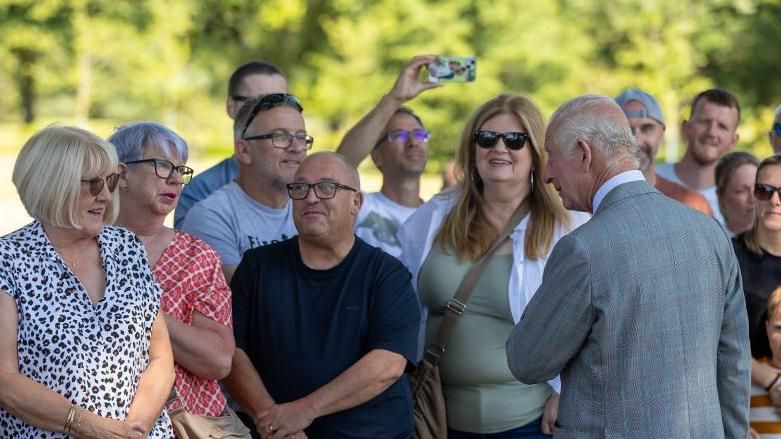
column 764, row 192
column 96, row 184
column 487, row 139
column 777, row 128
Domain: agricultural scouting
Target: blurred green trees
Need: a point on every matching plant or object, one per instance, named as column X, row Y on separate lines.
column 105, row 62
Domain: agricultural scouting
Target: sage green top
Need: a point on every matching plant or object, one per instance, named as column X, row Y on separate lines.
column 481, row 394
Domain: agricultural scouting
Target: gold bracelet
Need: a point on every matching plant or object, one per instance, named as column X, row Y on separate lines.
column 69, row 419
column 79, row 411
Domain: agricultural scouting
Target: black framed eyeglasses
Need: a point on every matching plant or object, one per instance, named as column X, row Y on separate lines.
column 270, row 101
column 764, row 192
column 164, row 169
column 281, row 139
column 96, row 184
column 777, row 128
column 513, row 140
column 323, row 190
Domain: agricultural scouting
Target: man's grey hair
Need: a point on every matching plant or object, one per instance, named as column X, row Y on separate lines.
column 600, row 122
column 777, row 112
column 130, row 140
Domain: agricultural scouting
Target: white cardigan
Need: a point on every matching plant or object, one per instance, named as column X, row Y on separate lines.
column 417, row 234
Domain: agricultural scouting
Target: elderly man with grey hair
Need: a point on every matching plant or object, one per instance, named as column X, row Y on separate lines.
column 775, row 131
column 641, row 309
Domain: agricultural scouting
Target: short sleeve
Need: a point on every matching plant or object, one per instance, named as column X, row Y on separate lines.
column 207, row 224
column 395, row 312
column 7, row 278
column 213, row 299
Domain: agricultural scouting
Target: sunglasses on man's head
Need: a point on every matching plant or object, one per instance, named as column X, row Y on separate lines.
column 764, row 192
column 96, row 184
column 512, row 140
column 270, row 101
column 777, row 128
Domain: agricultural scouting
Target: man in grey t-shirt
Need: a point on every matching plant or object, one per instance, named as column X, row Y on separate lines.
column 270, row 141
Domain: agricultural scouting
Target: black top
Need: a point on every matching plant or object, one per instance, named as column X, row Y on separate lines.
column 301, row 328
column 761, row 275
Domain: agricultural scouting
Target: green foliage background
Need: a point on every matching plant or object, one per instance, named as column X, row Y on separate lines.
column 100, row 63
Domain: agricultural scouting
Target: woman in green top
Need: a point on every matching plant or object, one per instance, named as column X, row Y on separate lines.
column 500, row 161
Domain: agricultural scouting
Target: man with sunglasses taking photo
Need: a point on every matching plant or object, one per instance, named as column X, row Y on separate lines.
column 270, row 141
column 398, row 142
column 325, row 324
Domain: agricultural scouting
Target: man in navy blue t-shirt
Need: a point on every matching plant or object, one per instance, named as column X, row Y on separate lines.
column 325, row 324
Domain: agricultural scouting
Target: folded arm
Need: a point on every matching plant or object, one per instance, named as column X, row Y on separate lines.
column 204, row 347
column 370, row 376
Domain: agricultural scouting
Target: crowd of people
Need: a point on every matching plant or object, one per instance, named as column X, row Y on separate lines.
column 627, row 299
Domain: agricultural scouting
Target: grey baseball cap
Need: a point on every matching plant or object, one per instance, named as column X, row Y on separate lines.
column 651, row 110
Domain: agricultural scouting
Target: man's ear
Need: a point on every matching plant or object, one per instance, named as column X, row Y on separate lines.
column 241, row 149
column 585, row 154
column 357, row 203
column 377, row 157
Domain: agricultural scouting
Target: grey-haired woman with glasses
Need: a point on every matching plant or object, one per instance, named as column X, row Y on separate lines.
column 84, row 349
column 196, row 300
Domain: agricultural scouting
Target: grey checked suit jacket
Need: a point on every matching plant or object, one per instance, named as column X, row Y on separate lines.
column 641, row 310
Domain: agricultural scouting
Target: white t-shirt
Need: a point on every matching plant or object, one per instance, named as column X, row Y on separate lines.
column 379, row 220
column 232, row 222
column 667, row 171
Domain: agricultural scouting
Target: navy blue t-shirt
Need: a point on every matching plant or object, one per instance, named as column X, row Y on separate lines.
column 301, row 328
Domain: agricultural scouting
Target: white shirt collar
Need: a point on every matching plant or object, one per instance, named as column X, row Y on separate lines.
column 612, row 183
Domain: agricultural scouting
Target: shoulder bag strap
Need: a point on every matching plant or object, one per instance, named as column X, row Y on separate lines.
column 455, row 307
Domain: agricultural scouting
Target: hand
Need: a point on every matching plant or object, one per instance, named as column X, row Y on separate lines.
column 299, row 435
column 549, row 413
column 281, row 420
column 775, row 396
column 408, row 84
column 93, row 426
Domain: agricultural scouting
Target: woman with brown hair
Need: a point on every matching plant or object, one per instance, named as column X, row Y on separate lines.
column 736, row 173
column 501, row 160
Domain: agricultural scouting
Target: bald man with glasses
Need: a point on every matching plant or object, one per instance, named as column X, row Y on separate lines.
column 325, row 324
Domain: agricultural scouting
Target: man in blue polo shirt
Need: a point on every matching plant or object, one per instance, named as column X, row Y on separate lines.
column 325, row 324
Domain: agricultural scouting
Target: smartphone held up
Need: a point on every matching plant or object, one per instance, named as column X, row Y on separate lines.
column 452, row 69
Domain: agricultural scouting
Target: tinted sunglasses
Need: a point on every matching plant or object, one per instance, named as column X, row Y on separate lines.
column 96, row 184
column 777, row 128
column 764, row 192
column 512, row 140
column 270, row 101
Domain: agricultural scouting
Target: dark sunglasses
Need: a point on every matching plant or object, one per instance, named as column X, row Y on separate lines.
column 777, row 128
column 764, row 192
column 164, row 169
column 270, row 101
column 512, row 140
column 96, row 184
